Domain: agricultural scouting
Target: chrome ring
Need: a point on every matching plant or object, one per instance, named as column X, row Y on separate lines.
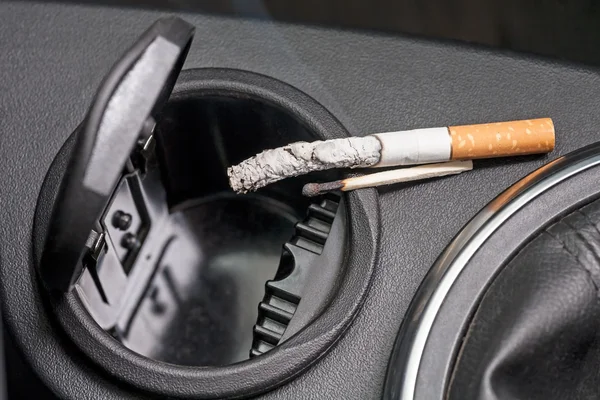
column 425, row 307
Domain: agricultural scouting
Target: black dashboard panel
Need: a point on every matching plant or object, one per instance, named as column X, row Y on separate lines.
column 54, row 56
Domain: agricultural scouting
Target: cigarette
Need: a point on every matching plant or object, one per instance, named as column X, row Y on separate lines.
column 419, row 146
column 389, row 177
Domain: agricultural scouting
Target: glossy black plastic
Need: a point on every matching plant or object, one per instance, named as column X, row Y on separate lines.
column 310, row 262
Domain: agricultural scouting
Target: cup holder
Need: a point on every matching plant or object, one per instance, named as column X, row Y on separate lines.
column 179, row 273
column 200, row 310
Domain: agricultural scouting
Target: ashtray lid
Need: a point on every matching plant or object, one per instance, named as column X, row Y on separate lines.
column 122, row 115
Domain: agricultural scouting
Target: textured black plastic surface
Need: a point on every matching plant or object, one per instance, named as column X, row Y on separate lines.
column 55, row 55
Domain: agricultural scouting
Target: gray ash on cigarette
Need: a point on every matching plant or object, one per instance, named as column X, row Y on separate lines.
column 301, row 158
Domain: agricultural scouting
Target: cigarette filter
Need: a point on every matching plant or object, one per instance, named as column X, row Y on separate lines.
column 499, row 139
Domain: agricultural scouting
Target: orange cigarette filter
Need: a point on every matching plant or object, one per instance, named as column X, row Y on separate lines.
column 499, row 139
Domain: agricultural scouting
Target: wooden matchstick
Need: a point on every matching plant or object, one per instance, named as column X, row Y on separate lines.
column 389, row 177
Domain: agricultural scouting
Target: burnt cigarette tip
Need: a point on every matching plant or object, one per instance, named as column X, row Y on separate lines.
column 316, row 189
